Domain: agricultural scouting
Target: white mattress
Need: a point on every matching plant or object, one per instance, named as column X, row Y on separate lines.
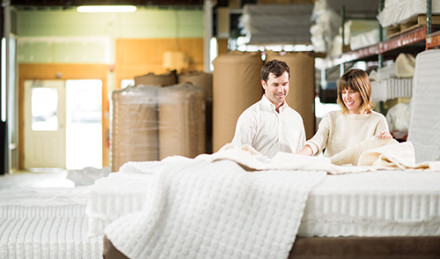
column 386, row 203
column 424, row 123
column 46, row 223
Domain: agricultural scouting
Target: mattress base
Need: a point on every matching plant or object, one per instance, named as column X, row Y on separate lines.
column 366, row 247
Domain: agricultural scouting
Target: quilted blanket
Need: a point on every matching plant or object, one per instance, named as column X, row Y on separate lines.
column 203, row 209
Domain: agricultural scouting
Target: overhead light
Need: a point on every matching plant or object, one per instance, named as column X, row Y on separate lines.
column 106, row 8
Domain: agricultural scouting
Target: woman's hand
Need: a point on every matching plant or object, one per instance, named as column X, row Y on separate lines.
column 384, row 135
column 305, row 151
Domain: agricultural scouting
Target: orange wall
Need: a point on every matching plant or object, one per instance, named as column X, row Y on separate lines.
column 136, row 57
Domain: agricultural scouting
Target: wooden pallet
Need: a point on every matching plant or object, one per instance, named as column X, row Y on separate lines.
column 413, row 23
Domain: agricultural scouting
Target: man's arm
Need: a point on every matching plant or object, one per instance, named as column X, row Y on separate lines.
column 245, row 129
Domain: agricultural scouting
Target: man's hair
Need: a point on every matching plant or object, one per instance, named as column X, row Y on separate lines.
column 358, row 81
column 276, row 67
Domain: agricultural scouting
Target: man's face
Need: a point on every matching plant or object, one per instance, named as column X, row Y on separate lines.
column 276, row 88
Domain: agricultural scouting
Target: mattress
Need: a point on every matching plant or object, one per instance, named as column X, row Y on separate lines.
column 46, row 223
column 391, row 88
column 385, row 203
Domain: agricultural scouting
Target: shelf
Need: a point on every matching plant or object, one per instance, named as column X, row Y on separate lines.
column 433, row 40
column 405, row 39
column 412, row 41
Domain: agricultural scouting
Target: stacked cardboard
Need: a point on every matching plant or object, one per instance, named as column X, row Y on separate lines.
column 181, row 121
column 134, row 126
column 301, row 95
column 236, row 86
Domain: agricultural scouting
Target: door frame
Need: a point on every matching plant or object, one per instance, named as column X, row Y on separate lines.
column 64, row 72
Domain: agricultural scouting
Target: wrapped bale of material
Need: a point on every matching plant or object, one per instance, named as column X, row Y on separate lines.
column 181, row 120
column 236, row 86
column 301, row 95
column 158, row 80
column 203, row 80
column 134, row 127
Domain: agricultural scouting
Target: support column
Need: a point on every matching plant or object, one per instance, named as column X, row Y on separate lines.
column 207, row 35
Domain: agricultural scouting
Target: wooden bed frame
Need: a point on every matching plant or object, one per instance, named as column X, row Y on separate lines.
column 345, row 247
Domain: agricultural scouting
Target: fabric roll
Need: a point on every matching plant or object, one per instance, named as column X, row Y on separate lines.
column 134, row 127
column 236, row 86
column 203, row 80
column 301, row 95
column 158, row 80
column 199, row 78
column 181, row 121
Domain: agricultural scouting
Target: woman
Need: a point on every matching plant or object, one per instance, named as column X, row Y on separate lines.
column 355, row 122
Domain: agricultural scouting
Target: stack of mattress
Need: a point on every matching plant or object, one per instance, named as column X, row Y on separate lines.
column 135, row 125
column 150, row 123
column 204, row 80
column 181, row 121
column 277, row 24
column 399, row 11
column 391, row 88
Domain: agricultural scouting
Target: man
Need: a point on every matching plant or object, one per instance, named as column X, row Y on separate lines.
column 270, row 125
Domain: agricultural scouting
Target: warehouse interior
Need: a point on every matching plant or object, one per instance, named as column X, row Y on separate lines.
column 89, row 93
column 51, row 40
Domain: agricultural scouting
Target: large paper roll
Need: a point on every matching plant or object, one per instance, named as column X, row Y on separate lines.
column 301, row 95
column 134, row 126
column 158, row 80
column 181, row 120
column 237, row 85
column 203, row 80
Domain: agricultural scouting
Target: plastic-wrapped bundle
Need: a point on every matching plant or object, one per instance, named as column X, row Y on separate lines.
column 134, row 127
column 301, row 95
column 158, row 80
column 236, row 87
column 203, row 80
column 181, row 120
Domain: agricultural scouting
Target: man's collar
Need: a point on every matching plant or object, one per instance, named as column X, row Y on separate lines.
column 272, row 106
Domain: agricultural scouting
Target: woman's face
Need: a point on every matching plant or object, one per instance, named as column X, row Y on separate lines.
column 352, row 100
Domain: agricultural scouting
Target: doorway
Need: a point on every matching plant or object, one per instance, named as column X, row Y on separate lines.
column 63, row 124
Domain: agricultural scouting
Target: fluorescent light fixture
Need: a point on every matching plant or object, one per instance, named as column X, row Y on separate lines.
column 106, row 8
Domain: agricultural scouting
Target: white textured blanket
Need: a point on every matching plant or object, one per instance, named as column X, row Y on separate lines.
column 202, row 209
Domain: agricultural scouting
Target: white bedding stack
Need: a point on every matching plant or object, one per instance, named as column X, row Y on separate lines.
column 399, row 11
column 424, row 124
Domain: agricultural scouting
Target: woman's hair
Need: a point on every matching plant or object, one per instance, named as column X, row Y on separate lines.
column 276, row 67
column 358, row 81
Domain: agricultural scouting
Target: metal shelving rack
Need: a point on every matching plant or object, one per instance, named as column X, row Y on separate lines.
column 422, row 35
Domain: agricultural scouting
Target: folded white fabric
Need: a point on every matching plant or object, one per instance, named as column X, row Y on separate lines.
column 202, row 209
column 351, row 155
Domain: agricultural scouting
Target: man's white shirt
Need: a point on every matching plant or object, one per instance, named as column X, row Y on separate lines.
column 268, row 131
